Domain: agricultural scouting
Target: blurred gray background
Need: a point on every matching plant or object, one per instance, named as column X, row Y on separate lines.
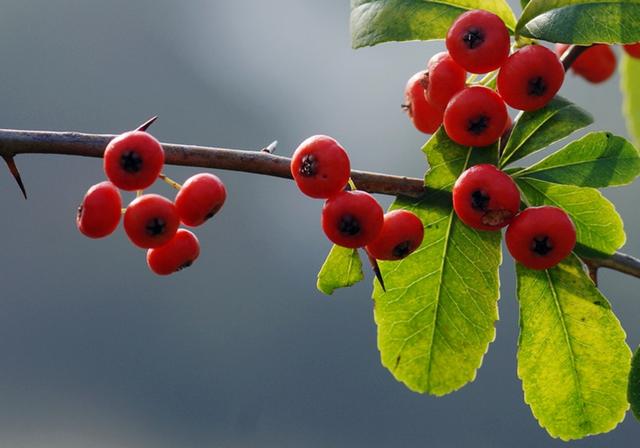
column 240, row 350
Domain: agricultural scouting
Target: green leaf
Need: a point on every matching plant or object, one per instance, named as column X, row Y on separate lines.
column 634, row 385
column 437, row 317
column 599, row 228
column 599, row 159
column 447, row 160
column 524, row 3
column 534, row 131
column 582, row 22
column 377, row 21
column 630, row 74
column 572, row 356
column 341, row 269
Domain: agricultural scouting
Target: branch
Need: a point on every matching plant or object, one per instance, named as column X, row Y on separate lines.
column 14, row 142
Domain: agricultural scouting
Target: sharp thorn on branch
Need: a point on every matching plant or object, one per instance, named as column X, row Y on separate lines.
column 13, row 169
column 376, row 270
column 147, row 124
column 271, row 148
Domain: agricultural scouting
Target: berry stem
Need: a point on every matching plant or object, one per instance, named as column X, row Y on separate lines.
column 172, row 183
column 14, row 142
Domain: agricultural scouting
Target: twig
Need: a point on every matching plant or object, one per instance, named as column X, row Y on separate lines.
column 91, row 145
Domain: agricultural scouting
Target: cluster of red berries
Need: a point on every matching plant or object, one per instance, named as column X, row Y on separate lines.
column 351, row 218
column 486, row 198
column 474, row 115
column 478, row 42
column 132, row 162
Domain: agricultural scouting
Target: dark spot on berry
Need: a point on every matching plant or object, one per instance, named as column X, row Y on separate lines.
column 349, row 225
column 477, row 125
column 541, row 245
column 155, row 226
column 212, row 213
column 309, row 166
column 480, row 200
column 131, row 162
column 184, row 265
column 402, row 250
column 496, row 218
column 537, row 86
column 473, row 38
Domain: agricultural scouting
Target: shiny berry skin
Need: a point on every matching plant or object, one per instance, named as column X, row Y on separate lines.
column 133, row 160
column 200, row 198
column 320, row 167
column 446, row 78
column 475, row 117
column 425, row 117
column 633, row 50
column 151, row 220
column 479, row 41
column 485, row 198
column 179, row 253
column 596, row 64
column 541, row 237
column 352, row 219
column 100, row 211
column 530, row 78
column 401, row 234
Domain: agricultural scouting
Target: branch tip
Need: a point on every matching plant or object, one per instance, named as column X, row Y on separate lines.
column 271, row 148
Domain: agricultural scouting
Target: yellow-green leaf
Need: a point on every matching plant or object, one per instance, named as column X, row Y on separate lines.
column 341, row 269
column 572, row 356
column 634, row 385
column 630, row 76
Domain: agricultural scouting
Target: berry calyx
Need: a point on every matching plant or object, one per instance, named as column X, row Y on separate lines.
column 352, row 219
column 479, row 41
column 402, row 233
column 486, row 198
column 425, row 116
column 100, row 211
column 200, row 198
column 179, row 253
column 596, row 64
column 475, row 117
column 530, row 78
column 445, row 79
column 541, row 237
column 133, row 160
column 150, row 221
column 632, row 50
column 320, row 167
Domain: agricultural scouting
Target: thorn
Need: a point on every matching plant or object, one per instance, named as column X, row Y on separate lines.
column 376, row 269
column 271, row 148
column 147, row 124
column 13, row 169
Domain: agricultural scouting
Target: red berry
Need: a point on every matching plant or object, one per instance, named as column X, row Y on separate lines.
column 151, row 221
column 133, row 160
column 100, row 211
column 485, row 198
column 633, row 50
column 479, row 41
column 596, row 64
column 425, row 117
column 200, row 198
column 445, row 79
column 320, row 167
column 541, row 237
column 401, row 234
column 475, row 117
column 177, row 254
column 530, row 78
column 352, row 219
